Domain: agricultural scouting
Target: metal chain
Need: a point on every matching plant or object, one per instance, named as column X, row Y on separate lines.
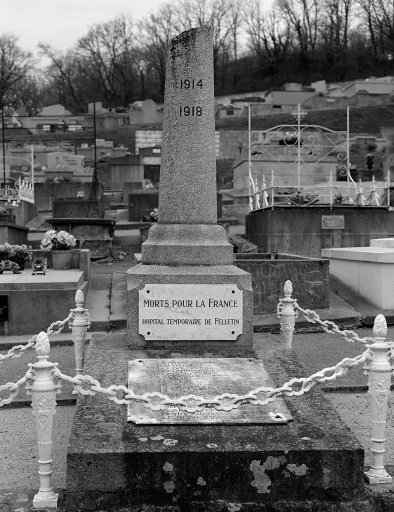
column 226, row 402
column 14, row 388
column 18, row 350
column 330, row 327
column 60, row 324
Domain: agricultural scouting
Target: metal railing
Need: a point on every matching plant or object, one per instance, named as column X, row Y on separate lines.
column 370, row 193
column 43, row 382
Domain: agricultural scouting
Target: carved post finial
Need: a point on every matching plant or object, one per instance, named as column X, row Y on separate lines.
column 380, row 327
column 79, row 298
column 43, row 346
column 288, row 288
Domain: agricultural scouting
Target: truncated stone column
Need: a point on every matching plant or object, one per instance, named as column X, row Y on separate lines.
column 187, row 200
column 187, row 291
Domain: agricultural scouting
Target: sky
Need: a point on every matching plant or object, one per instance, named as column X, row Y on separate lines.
column 62, row 22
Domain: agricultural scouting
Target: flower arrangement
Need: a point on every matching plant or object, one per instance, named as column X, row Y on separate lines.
column 338, row 199
column 57, row 240
column 311, row 198
column 152, row 217
column 15, row 252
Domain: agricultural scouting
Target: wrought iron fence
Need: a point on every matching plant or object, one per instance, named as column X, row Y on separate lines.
column 370, row 193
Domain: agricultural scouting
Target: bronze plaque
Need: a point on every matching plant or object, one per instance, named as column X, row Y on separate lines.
column 205, row 378
column 333, row 222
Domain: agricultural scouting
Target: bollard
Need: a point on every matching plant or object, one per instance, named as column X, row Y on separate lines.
column 43, row 391
column 379, row 371
column 287, row 314
column 79, row 324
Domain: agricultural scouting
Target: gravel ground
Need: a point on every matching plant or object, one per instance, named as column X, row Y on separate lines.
column 18, row 461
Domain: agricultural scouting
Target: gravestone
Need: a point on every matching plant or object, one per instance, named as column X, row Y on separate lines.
column 187, row 277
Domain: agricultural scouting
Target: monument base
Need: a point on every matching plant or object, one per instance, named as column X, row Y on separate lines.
column 311, row 463
column 193, row 280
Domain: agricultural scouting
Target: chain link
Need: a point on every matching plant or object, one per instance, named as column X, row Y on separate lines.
column 18, row 350
column 330, row 327
column 13, row 387
column 60, row 324
column 156, row 401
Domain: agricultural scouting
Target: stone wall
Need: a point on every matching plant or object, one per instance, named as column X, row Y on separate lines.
column 150, row 138
column 142, row 202
column 46, row 193
column 309, row 276
column 12, row 233
column 78, row 207
column 305, row 230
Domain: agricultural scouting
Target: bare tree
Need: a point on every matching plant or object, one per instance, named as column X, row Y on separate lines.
column 303, row 16
column 269, row 36
column 62, row 74
column 109, row 51
column 155, row 34
column 15, row 64
column 334, row 30
column 378, row 15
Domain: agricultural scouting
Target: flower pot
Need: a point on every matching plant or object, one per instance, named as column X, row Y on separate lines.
column 62, row 260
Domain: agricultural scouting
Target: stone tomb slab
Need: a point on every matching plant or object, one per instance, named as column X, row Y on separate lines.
column 311, row 463
column 203, row 378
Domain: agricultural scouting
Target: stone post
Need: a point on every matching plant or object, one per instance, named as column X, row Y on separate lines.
column 379, row 371
column 43, row 392
column 187, row 292
column 287, row 314
column 79, row 325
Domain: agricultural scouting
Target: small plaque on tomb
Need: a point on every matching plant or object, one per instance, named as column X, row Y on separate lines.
column 333, row 222
column 190, row 312
column 205, row 378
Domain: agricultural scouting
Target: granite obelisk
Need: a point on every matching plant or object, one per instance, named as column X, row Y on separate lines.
column 187, row 288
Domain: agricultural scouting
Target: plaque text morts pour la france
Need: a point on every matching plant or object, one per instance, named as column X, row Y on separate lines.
column 184, row 312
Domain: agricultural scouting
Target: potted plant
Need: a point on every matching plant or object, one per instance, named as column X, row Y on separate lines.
column 59, row 243
column 15, row 253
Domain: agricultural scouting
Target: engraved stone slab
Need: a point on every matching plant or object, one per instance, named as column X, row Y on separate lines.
column 205, row 378
column 190, row 312
column 333, row 222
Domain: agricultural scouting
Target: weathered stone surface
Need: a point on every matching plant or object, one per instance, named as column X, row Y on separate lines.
column 187, row 244
column 292, row 230
column 206, row 378
column 309, row 277
column 142, row 202
column 312, row 463
column 77, row 207
column 188, row 166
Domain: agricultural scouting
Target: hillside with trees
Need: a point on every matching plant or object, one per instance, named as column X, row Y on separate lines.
column 123, row 60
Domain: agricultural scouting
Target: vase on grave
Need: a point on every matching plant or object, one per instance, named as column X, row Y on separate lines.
column 62, row 260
